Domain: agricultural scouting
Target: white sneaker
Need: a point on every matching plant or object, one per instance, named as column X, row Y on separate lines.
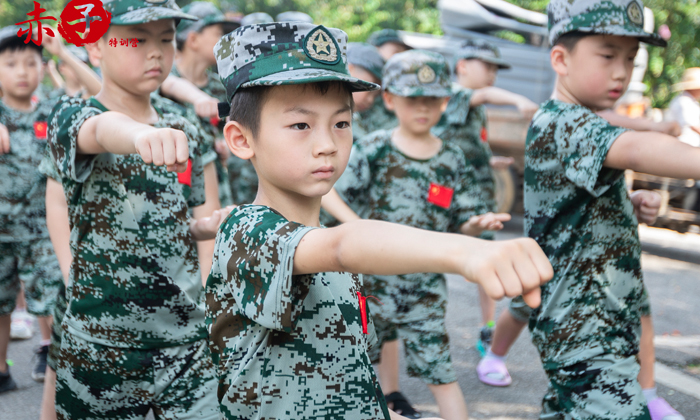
column 21, row 327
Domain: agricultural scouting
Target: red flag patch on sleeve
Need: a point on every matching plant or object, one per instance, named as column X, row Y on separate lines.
column 440, row 196
column 484, row 135
column 186, row 177
column 40, row 129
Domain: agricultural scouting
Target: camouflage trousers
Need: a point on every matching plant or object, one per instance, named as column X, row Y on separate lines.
column 59, row 311
column 99, row 382
column 34, row 264
column 426, row 347
column 603, row 388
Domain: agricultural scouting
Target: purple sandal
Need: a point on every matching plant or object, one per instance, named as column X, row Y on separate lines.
column 493, row 372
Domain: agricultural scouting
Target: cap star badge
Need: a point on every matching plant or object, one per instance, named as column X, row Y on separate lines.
column 320, row 46
column 635, row 13
column 426, row 74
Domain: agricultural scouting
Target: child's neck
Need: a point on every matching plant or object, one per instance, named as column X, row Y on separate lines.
column 138, row 107
column 563, row 94
column 192, row 67
column 417, row 145
column 18, row 104
column 467, row 82
column 292, row 206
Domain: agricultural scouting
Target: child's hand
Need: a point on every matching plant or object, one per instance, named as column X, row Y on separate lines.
column 4, row 140
column 527, row 108
column 163, row 146
column 646, row 205
column 509, row 268
column 205, row 228
column 671, row 128
column 501, row 162
column 489, row 221
column 207, row 107
column 53, row 44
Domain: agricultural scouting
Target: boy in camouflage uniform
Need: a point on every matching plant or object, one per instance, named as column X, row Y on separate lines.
column 577, row 207
column 464, row 122
column 288, row 322
column 133, row 336
column 365, row 63
column 409, row 176
column 27, row 255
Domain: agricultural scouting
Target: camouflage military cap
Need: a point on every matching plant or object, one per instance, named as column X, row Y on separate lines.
column 366, row 56
column 294, row 17
column 8, row 35
column 481, row 50
column 208, row 14
column 417, row 73
column 133, row 12
column 253, row 18
column 284, row 53
column 383, row 36
column 608, row 17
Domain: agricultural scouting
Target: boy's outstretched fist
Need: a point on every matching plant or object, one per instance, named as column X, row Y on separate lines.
column 163, row 146
column 4, row 140
column 509, row 268
column 646, row 205
column 205, row 228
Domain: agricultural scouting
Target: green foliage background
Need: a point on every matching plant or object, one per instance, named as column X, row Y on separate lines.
column 359, row 18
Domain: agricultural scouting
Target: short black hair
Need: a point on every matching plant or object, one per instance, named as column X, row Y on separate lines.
column 247, row 103
column 570, row 39
column 17, row 43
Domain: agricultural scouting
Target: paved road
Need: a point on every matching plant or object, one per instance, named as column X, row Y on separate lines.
column 672, row 271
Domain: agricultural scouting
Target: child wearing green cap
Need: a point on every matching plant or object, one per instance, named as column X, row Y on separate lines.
column 577, row 208
column 412, row 177
column 289, row 326
column 134, row 337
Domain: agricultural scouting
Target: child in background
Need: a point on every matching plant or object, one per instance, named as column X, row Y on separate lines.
column 133, row 337
column 388, row 43
column 464, row 123
column 71, row 84
column 411, row 177
column 288, row 321
column 365, row 63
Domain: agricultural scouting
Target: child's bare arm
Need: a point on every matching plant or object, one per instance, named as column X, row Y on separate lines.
column 498, row 96
column 4, row 140
column 503, row 268
column 83, row 72
column 54, row 75
column 654, row 153
column 336, row 207
column 116, row 133
column 641, row 124
column 182, row 90
column 58, row 225
column 489, row 221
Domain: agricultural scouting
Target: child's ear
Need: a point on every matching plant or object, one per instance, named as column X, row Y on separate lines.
column 238, row 140
column 559, row 58
column 388, row 100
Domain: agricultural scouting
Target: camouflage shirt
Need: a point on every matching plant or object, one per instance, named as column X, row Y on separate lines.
column 373, row 119
column 286, row 346
column 22, row 186
column 465, row 126
column 581, row 215
column 135, row 274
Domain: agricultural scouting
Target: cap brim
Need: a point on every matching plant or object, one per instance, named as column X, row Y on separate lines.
column 302, row 76
column 502, row 64
column 150, row 14
column 642, row 36
column 412, row 91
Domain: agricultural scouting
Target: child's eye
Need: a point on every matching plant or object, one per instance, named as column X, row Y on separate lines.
column 607, row 56
column 342, row 125
column 140, row 41
column 167, row 41
column 300, row 126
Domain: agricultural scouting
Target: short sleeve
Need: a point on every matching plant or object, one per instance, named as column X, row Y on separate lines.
column 355, row 181
column 467, row 201
column 255, row 253
column 583, row 140
column 458, row 106
column 65, row 121
column 48, row 167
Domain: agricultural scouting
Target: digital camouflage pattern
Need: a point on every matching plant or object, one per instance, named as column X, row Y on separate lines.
column 286, row 346
column 480, row 49
column 417, row 73
column 366, row 56
column 284, row 53
column 208, row 14
column 133, row 12
column 610, row 17
column 94, row 381
column 581, row 215
column 465, row 126
column 383, row 36
column 22, row 186
column 211, row 129
column 135, row 275
column 373, row 119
